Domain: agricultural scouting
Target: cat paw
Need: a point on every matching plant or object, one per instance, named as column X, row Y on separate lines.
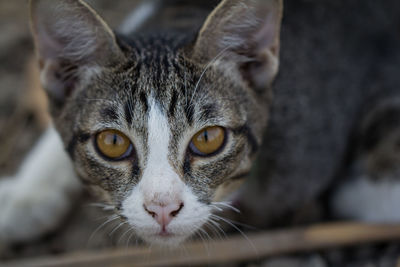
column 28, row 212
column 368, row 200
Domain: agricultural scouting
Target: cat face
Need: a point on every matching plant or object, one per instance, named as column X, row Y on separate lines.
column 162, row 165
column 161, row 126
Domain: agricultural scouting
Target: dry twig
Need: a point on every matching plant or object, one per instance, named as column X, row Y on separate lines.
column 235, row 248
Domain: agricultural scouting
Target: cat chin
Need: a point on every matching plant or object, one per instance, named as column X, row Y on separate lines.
column 173, row 235
column 163, row 241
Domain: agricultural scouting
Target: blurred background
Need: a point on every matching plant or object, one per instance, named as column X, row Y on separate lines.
column 375, row 24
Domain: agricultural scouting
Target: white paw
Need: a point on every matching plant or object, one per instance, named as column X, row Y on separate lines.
column 27, row 212
column 368, row 200
column 36, row 200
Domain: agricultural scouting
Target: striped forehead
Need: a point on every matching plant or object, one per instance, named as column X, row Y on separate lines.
column 170, row 84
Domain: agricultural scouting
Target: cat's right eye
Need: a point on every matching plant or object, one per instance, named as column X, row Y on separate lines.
column 113, row 144
column 208, row 141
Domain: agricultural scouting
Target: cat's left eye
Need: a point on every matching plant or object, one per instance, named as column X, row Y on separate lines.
column 208, row 141
column 113, row 144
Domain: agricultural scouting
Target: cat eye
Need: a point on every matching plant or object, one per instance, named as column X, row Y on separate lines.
column 208, row 141
column 113, row 144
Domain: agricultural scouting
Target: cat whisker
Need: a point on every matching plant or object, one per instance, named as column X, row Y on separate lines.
column 185, row 82
column 213, row 229
column 227, row 205
column 116, row 228
column 127, row 231
column 130, row 104
column 129, row 238
column 217, row 208
column 250, row 227
column 209, row 238
column 221, row 209
column 183, row 250
column 206, row 68
column 112, row 218
column 103, row 206
column 199, row 234
column 129, row 96
column 217, row 226
column 216, row 217
column 102, row 217
column 151, row 252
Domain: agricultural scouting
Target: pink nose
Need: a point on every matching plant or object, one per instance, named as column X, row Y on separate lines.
column 164, row 214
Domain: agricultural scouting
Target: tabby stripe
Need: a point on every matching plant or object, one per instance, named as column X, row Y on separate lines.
column 135, row 170
column 245, row 130
column 109, row 113
column 178, row 69
column 172, row 104
column 208, row 111
column 79, row 137
column 189, row 113
column 187, row 169
column 143, row 99
column 231, row 156
column 128, row 112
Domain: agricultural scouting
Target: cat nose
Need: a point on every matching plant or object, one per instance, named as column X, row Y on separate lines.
column 163, row 214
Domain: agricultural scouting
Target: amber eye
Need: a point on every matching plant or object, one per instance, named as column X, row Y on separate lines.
column 113, row 144
column 208, row 141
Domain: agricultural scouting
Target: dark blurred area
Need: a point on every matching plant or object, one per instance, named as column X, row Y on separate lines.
column 331, row 45
column 339, row 61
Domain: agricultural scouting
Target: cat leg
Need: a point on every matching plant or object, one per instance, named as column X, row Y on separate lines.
column 369, row 200
column 35, row 201
column 372, row 192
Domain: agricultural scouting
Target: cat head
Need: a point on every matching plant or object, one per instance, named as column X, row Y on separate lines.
column 161, row 126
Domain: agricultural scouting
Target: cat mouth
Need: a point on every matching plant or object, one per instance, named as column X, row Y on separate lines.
column 165, row 234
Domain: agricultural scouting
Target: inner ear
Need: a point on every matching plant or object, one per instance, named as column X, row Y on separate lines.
column 59, row 78
column 72, row 43
column 72, row 30
column 244, row 34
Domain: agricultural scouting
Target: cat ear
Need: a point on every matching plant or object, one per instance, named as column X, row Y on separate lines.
column 72, row 43
column 244, row 33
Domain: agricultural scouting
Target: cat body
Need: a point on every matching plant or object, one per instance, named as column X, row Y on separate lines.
column 160, row 84
column 335, row 67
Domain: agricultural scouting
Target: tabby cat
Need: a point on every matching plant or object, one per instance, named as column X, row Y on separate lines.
column 163, row 119
column 160, row 121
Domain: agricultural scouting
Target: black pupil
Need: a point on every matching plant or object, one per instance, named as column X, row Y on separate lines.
column 115, row 139
column 206, row 135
